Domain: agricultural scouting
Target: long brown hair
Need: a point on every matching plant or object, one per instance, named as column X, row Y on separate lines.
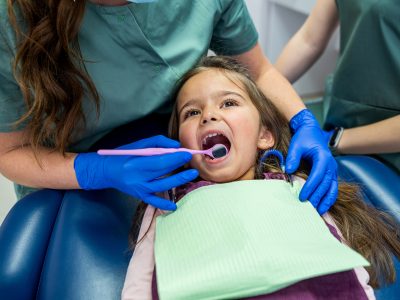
column 49, row 69
column 372, row 233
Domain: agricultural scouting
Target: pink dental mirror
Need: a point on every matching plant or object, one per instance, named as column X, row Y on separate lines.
column 217, row 151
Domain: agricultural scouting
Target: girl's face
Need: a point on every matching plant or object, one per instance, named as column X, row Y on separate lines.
column 214, row 110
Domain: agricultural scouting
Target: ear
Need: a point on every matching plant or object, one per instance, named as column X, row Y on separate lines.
column 265, row 139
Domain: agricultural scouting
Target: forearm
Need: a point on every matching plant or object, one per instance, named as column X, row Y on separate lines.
column 54, row 171
column 310, row 41
column 297, row 57
column 276, row 88
column 380, row 137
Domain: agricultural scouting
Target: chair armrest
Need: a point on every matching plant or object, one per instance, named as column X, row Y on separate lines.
column 66, row 245
column 88, row 254
column 24, row 238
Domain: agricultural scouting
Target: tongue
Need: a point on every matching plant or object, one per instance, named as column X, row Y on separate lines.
column 218, row 139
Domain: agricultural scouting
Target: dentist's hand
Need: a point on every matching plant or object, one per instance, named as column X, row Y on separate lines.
column 310, row 143
column 137, row 176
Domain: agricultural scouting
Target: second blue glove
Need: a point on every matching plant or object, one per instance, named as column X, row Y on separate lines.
column 309, row 143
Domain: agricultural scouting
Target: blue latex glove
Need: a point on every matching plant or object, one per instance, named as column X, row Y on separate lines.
column 137, row 176
column 310, row 143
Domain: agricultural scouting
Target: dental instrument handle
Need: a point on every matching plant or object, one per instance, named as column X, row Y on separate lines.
column 149, row 151
column 217, row 151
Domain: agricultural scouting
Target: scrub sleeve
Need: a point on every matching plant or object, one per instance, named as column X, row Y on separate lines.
column 365, row 85
column 134, row 54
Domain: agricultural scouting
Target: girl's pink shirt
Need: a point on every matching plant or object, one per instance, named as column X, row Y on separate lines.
column 141, row 267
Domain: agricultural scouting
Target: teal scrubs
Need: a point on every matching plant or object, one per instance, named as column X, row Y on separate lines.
column 135, row 54
column 365, row 87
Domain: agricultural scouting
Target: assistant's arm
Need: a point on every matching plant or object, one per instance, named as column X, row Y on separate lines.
column 379, row 137
column 309, row 42
column 18, row 163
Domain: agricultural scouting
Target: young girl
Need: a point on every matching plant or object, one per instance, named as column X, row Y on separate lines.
column 218, row 103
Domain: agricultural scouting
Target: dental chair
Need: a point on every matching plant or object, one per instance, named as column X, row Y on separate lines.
column 74, row 244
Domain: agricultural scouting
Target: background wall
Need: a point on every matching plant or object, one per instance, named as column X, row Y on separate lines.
column 276, row 22
column 7, row 196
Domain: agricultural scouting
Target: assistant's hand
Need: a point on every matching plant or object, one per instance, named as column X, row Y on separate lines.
column 309, row 143
column 137, row 176
column 327, row 135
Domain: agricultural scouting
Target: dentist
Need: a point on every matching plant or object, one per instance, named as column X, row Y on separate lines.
column 78, row 75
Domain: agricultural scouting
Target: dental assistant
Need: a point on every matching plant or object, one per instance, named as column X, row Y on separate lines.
column 363, row 94
column 80, row 69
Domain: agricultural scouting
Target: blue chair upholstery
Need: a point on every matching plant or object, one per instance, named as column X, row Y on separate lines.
column 380, row 185
column 66, row 245
column 74, row 244
column 381, row 188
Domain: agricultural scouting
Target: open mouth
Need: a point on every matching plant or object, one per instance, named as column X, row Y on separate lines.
column 215, row 138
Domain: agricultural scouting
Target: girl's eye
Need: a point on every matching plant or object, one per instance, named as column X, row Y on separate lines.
column 191, row 113
column 229, row 103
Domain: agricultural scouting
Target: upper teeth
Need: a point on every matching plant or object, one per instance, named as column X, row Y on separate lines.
column 208, row 136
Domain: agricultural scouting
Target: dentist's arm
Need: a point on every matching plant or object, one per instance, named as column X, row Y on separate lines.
column 18, row 163
column 308, row 141
column 140, row 177
column 309, row 42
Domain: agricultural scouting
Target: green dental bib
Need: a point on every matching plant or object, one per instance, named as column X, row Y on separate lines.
column 244, row 238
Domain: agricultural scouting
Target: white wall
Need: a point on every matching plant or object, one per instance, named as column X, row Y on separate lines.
column 7, row 197
column 276, row 22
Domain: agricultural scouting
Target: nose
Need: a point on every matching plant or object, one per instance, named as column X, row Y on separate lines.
column 209, row 116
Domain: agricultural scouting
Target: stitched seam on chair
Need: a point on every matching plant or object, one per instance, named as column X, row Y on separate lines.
column 49, row 241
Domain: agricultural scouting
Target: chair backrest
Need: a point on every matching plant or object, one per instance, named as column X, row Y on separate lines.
column 380, row 184
column 74, row 244
column 381, row 188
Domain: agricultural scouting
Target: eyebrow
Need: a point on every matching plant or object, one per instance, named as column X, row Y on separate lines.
column 186, row 104
column 219, row 94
